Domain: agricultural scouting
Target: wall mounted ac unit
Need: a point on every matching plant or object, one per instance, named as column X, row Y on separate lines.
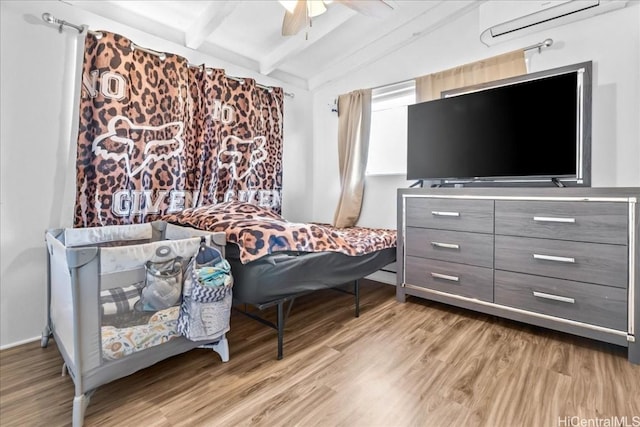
column 504, row 20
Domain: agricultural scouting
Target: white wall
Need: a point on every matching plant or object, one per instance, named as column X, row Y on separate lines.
column 611, row 41
column 38, row 80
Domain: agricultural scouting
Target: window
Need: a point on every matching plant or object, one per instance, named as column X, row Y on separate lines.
column 388, row 138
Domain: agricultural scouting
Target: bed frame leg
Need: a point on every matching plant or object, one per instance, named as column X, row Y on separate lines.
column 278, row 325
column 356, row 292
column 280, row 328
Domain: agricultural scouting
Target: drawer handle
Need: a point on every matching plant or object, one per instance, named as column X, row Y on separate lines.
column 554, row 258
column 554, row 219
column 443, row 213
column 445, row 245
column 553, row 297
column 445, row 277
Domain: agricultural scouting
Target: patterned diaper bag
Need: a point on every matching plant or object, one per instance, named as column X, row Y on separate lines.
column 206, row 296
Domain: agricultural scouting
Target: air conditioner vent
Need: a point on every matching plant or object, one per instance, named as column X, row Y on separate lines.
column 503, row 20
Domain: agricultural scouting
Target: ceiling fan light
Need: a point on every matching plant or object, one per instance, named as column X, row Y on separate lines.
column 290, row 5
column 316, row 7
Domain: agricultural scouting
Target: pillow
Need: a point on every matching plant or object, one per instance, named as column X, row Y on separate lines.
column 120, row 300
column 117, row 306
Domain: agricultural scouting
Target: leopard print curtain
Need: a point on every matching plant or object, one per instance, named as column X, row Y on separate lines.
column 157, row 135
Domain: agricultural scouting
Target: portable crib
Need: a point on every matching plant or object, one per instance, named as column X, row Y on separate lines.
column 85, row 261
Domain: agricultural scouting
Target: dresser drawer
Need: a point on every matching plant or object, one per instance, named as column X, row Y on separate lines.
column 586, row 262
column 459, row 279
column 450, row 214
column 454, row 246
column 583, row 302
column 602, row 222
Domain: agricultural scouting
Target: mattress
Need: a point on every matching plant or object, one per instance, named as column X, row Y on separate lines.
column 121, row 342
column 284, row 274
column 259, row 232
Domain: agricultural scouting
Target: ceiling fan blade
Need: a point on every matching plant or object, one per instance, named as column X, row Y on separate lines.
column 294, row 22
column 377, row 8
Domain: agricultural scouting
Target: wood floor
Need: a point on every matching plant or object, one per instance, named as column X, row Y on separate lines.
column 414, row 364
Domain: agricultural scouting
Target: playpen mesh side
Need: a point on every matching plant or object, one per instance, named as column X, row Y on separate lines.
column 61, row 307
column 122, row 272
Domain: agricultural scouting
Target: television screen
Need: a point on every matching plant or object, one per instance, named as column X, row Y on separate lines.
column 525, row 129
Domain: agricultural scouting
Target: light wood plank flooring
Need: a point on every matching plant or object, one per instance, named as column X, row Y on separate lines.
column 414, row 364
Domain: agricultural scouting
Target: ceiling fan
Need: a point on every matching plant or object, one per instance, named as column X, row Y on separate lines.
column 299, row 12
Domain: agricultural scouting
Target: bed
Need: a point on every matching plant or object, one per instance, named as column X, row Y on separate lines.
column 274, row 261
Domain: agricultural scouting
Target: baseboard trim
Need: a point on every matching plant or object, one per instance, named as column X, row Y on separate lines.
column 383, row 277
column 18, row 343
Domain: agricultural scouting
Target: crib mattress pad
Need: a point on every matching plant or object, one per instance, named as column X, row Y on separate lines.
column 124, row 341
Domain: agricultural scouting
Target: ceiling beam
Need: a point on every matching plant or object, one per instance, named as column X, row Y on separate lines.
column 212, row 17
column 296, row 44
column 387, row 43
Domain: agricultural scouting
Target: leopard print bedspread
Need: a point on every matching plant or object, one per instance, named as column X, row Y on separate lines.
column 259, row 232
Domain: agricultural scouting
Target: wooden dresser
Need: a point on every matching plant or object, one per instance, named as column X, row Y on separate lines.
column 561, row 258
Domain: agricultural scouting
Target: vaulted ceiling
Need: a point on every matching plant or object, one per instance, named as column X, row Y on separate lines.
column 248, row 33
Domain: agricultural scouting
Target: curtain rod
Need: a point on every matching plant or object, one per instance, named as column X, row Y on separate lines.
column 539, row 46
column 50, row 19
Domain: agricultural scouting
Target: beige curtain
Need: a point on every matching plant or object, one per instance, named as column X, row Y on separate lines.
column 354, row 124
column 498, row 67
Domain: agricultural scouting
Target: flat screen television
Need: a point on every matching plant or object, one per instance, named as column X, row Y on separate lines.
column 534, row 128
